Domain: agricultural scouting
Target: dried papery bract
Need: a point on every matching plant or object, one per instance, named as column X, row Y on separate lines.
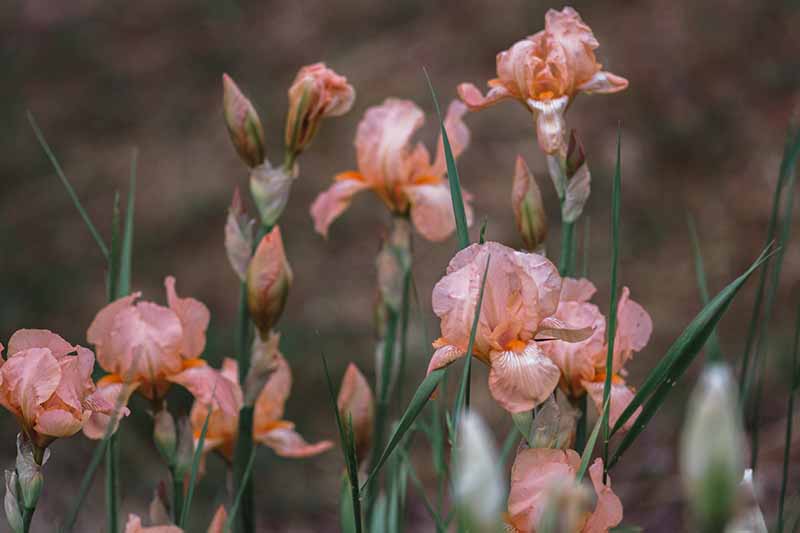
column 269, row 278
column 712, row 447
column 749, row 518
column 270, row 187
column 545, row 72
column 357, row 404
column 478, row 480
column 239, row 235
column 554, row 425
column 317, row 92
column 528, row 207
column 577, row 184
column 243, row 123
column 11, row 503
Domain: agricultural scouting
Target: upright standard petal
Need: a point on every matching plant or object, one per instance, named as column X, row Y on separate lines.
column 634, row 327
column 621, row 397
column 30, row 377
column 457, row 134
column 24, row 339
column 330, row 204
column 382, row 141
column 194, row 317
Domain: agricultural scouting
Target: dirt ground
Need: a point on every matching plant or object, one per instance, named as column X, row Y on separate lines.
column 713, row 86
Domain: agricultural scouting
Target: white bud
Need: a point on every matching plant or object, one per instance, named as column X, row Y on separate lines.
column 478, row 481
column 11, row 503
column 711, row 449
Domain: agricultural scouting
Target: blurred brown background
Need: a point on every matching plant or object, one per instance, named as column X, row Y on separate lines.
column 712, row 88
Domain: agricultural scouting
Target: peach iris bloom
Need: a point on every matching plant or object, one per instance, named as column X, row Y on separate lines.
column 146, row 347
column 268, row 426
column 134, row 524
column 48, row 389
column 583, row 363
column 545, row 71
column 535, row 470
column 520, row 297
column 399, row 173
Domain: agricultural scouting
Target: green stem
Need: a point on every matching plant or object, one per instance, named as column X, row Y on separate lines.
column 27, row 518
column 177, row 495
column 580, row 429
column 567, row 259
column 789, row 416
column 112, row 483
column 245, row 519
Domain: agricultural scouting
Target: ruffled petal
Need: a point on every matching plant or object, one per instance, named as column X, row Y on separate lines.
column 521, row 381
column 57, row 423
column 335, row 201
column 577, row 290
column 109, row 393
column 382, row 141
column 272, row 399
column 634, row 327
column 577, row 41
column 24, row 339
column 194, row 317
column 621, row 397
column 534, row 471
column 443, row 356
column 99, row 332
column 608, row 511
column 454, row 300
column 457, row 133
column 603, row 83
column 475, row 100
column 145, row 343
column 432, row 211
column 286, row 442
column 209, row 386
column 31, row 377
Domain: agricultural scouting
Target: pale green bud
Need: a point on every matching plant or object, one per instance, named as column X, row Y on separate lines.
column 164, row 435
column 11, row 503
column 29, row 472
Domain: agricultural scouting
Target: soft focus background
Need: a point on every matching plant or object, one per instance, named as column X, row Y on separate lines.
column 713, row 86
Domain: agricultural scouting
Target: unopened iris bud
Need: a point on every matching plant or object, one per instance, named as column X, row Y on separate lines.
column 478, row 480
column 185, row 449
column 317, row 92
column 11, row 503
column 711, row 449
column 243, row 123
column 528, row 207
column 554, row 425
column 269, row 278
column 29, row 472
column 165, row 435
column 270, row 187
column 566, row 505
column 356, row 403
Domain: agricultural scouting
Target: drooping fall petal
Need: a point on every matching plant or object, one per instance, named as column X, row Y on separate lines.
column 521, row 381
column 608, row 511
column 331, row 203
column 621, row 396
column 286, row 442
column 432, row 211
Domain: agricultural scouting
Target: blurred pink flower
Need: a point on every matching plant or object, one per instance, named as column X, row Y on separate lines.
column 317, row 92
column 545, row 71
column 268, row 426
column 520, row 297
column 146, row 347
column 134, row 524
column 46, row 387
column 536, row 470
column 399, row 173
column 583, row 363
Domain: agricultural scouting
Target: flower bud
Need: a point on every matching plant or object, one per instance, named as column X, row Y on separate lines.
column 269, row 277
column 711, row 449
column 566, row 504
column 393, row 262
column 270, row 188
column 316, row 92
column 355, row 402
column 243, row 123
column 528, row 207
column 29, row 471
column 478, row 480
column 165, row 435
column 238, row 236
column 11, row 503
column 185, row 449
